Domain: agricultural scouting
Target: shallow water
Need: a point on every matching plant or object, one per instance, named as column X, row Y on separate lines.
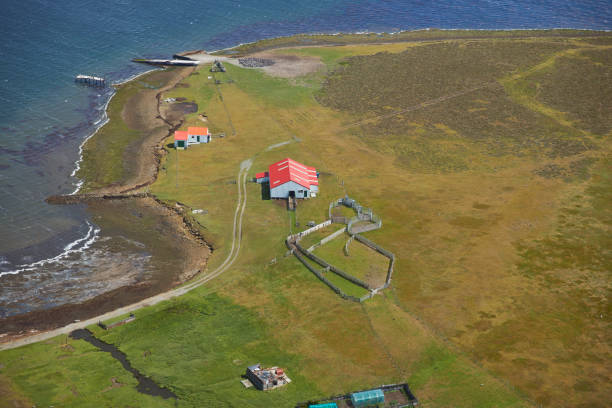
column 44, row 116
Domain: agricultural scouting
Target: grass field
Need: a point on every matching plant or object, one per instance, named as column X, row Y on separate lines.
column 501, row 287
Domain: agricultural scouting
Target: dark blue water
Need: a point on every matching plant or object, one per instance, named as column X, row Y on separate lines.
column 44, row 117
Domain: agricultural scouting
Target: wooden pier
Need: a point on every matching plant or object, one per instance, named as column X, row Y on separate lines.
column 167, row 62
column 90, row 81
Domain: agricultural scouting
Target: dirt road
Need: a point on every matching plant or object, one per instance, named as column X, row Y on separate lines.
column 227, row 263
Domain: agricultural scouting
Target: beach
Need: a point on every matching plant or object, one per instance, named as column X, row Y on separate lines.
column 150, row 246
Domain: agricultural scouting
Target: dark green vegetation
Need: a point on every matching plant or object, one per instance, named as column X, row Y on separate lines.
column 580, row 86
column 445, row 111
column 471, row 117
column 496, row 203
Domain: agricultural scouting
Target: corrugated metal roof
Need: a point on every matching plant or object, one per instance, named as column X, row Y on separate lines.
column 261, row 175
column 181, row 135
column 197, row 130
column 290, row 170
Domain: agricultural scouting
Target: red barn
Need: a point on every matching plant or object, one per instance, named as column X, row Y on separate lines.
column 289, row 178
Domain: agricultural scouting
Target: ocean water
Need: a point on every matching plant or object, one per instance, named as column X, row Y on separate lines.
column 44, row 116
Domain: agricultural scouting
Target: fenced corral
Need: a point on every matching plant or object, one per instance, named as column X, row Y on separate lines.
column 312, row 269
column 313, row 229
column 331, row 267
column 327, row 239
column 363, row 214
column 383, row 252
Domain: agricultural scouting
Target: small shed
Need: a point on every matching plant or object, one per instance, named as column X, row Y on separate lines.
column 262, row 177
column 367, row 398
column 266, row 378
column 180, row 139
column 324, row 405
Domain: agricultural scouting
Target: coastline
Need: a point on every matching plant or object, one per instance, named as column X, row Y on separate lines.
column 100, row 123
column 500, row 224
column 194, row 253
column 26, row 324
column 52, row 317
column 419, row 35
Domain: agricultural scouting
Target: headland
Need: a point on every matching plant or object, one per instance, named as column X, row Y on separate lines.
column 487, row 156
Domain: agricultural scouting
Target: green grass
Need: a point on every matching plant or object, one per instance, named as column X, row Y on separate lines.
column 103, row 162
column 426, row 73
column 439, row 368
column 501, row 273
column 59, row 373
column 204, row 347
column 273, row 91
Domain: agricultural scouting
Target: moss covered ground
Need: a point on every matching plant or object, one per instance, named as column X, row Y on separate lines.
column 108, row 157
column 500, row 292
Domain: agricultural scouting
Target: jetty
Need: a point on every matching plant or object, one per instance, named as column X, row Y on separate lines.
column 90, row 80
column 167, row 62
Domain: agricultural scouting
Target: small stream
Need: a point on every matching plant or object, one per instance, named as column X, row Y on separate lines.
column 145, row 384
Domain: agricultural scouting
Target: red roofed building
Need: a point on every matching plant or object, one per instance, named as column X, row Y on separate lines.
column 180, row 139
column 289, row 178
column 193, row 135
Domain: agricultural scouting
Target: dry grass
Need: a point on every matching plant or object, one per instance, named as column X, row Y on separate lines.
column 500, row 291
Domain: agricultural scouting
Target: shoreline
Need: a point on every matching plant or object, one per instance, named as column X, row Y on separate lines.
column 124, row 189
column 195, row 255
column 24, row 324
column 425, row 30
column 388, row 37
column 99, row 125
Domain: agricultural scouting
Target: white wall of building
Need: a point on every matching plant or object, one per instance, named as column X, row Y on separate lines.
column 193, row 139
column 282, row 191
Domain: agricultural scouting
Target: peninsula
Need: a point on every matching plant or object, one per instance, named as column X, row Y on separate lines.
column 483, row 160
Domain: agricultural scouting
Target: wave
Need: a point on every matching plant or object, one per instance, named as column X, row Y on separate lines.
column 76, row 246
column 98, row 125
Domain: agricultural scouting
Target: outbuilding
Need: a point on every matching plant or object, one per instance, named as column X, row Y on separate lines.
column 266, row 378
column 289, row 178
column 193, row 135
column 180, row 139
column 262, row 177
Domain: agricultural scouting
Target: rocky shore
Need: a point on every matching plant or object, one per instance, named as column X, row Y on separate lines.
column 177, row 248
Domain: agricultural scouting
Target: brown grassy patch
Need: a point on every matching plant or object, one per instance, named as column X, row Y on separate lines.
column 581, row 87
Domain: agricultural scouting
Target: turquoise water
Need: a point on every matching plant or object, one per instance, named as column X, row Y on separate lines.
column 44, row 116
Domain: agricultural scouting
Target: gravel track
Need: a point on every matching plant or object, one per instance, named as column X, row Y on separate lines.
column 227, row 263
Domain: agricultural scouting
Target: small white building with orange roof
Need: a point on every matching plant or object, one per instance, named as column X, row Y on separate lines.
column 193, row 135
column 180, row 139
